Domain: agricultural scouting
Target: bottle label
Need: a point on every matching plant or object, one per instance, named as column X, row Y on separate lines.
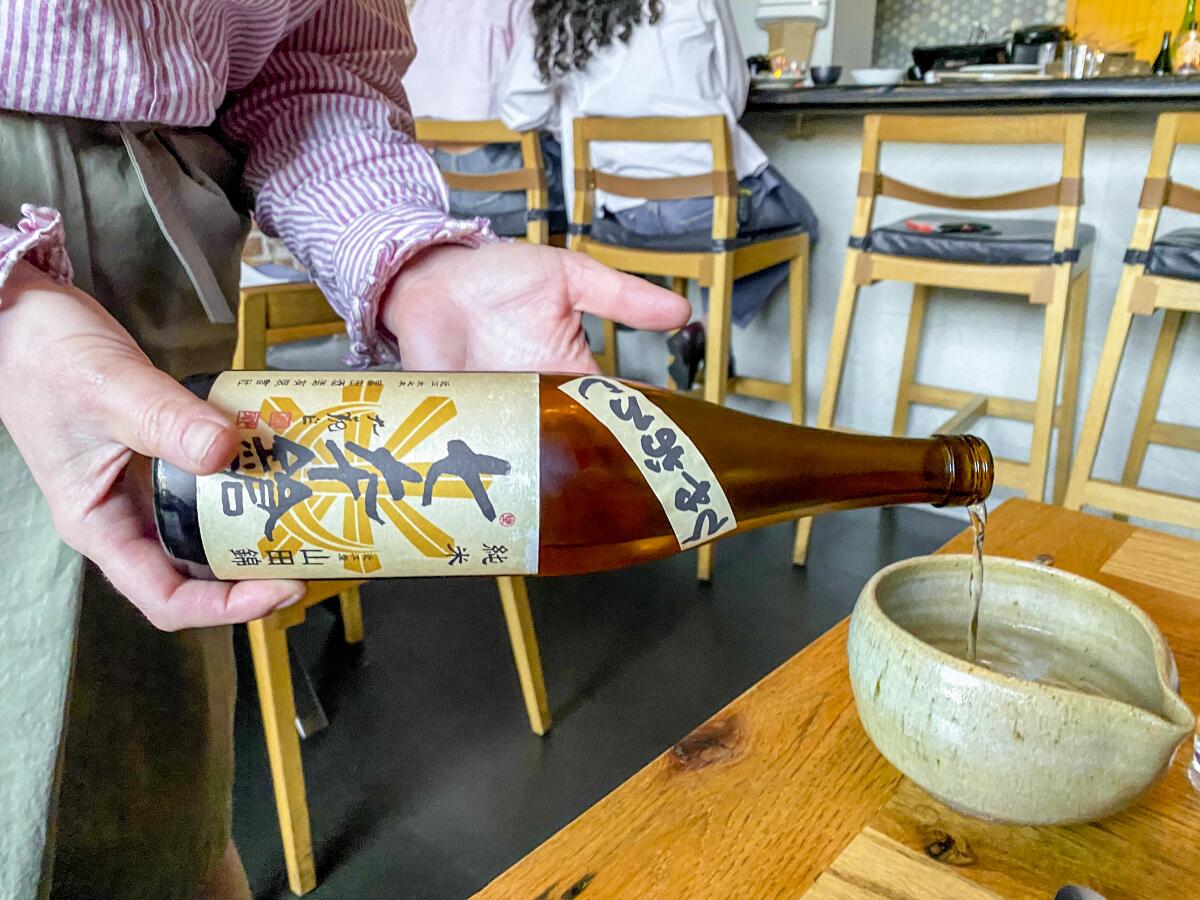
column 680, row 477
column 380, row 474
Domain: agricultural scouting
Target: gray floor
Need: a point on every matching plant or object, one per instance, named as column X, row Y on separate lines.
column 428, row 782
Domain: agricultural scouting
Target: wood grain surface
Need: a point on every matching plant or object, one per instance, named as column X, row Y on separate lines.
column 783, row 784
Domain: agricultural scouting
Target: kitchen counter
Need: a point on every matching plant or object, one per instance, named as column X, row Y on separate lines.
column 1091, row 93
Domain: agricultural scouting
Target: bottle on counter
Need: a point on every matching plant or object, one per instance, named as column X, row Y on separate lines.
column 384, row 474
column 1187, row 43
column 1162, row 62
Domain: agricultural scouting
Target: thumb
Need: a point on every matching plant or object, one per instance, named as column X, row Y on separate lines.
column 594, row 288
column 154, row 415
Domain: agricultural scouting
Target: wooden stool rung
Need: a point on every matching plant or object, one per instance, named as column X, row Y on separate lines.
column 1159, row 506
column 997, row 407
column 1168, row 434
column 762, row 388
column 1011, row 472
column 966, row 416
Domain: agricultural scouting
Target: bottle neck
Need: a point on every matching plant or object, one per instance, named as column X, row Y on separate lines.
column 817, row 471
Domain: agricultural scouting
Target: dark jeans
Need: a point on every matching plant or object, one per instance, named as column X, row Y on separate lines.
column 766, row 203
column 506, row 209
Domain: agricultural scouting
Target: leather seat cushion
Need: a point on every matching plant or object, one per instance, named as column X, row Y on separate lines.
column 1009, row 241
column 607, row 230
column 1176, row 255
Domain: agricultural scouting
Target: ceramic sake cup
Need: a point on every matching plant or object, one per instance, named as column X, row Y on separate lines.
column 1001, row 747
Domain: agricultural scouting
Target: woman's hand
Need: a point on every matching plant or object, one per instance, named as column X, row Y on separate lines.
column 86, row 409
column 514, row 307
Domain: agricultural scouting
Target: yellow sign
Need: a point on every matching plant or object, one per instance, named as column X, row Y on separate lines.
column 380, row 474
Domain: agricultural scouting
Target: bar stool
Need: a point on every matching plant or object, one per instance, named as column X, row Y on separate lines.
column 537, row 223
column 278, row 314
column 1045, row 260
column 1160, row 273
column 714, row 260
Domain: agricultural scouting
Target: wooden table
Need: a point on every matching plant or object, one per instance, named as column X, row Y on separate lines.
column 782, row 794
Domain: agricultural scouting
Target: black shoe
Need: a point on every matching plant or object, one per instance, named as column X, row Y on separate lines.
column 686, row 347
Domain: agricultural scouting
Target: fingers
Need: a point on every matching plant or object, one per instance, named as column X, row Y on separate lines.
column 594, row 288
column 153, row 414
column 140, row 571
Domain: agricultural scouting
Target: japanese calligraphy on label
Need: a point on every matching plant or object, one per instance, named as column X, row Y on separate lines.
column 380, row 474
column 680, row 477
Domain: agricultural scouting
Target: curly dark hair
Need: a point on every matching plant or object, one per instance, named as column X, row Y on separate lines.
column 569, row 31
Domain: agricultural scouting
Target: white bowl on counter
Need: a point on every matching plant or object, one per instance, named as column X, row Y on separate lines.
column 876, row 77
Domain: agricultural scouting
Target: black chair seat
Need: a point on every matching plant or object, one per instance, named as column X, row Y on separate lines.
column 607, row 230
column 513, row 224
column 1009, row 242
column 1176, row 255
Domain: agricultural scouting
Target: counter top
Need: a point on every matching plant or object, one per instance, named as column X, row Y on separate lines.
column 1092, row 93
column 782, row 794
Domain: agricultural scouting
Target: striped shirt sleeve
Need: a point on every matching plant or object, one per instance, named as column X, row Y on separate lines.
column 38, row 238
column 332, row 163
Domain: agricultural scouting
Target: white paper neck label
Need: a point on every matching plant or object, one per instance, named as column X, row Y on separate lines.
column 672, row 465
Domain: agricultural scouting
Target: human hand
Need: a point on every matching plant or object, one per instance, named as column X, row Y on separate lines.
column 86, row 409
column 514, row 307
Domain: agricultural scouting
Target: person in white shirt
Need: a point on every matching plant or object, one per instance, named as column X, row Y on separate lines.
column 463, row 47
column 651, row 58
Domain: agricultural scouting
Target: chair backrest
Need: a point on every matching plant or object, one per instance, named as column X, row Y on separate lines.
column 530, row 178
column 279, row 314
column 1159, row 190
column 720, row 184
column 1066, row 130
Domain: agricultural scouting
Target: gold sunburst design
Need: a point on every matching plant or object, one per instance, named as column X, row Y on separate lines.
column 332, row 518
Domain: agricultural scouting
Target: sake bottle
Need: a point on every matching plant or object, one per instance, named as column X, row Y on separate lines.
column 1162, row 62
column 1187, row 43
column 351, row 475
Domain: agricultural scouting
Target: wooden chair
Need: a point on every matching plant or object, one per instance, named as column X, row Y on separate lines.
column 724, row 258
column 1041, row 260
column 531, row 178
column 1158, row 274
column 279, row 314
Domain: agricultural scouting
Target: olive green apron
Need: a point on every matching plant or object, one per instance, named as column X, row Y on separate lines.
column 115, row 779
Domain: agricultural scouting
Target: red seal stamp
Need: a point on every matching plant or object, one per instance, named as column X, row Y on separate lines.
column 280, row 420
column 247, row 418
column 508, row 519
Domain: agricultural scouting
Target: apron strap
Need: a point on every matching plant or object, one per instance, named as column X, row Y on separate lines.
column 176, row 228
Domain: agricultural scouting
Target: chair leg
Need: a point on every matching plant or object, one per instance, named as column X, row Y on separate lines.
column 1047, row 389
column 268, row 647
column 843, row 319
column 352, row 626
column 1102, row 391
column 908, row 365
column 797, row 330
column 609, row 362
column 515, row 601
column 1077, row 299
column 716, row 362
column 1152, row 396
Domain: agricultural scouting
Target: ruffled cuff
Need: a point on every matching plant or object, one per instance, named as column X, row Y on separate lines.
column 369, row 255
column 38, row 238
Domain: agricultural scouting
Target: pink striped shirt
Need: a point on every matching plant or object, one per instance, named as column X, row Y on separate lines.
column 311, row 87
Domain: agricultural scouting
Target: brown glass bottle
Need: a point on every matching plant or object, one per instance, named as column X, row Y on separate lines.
column 598, row 510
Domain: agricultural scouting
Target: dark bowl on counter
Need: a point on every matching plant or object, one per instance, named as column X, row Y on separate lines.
column 825, row 75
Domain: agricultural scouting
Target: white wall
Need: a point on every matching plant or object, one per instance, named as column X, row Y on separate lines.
column 987, row 343
column 849, row 42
